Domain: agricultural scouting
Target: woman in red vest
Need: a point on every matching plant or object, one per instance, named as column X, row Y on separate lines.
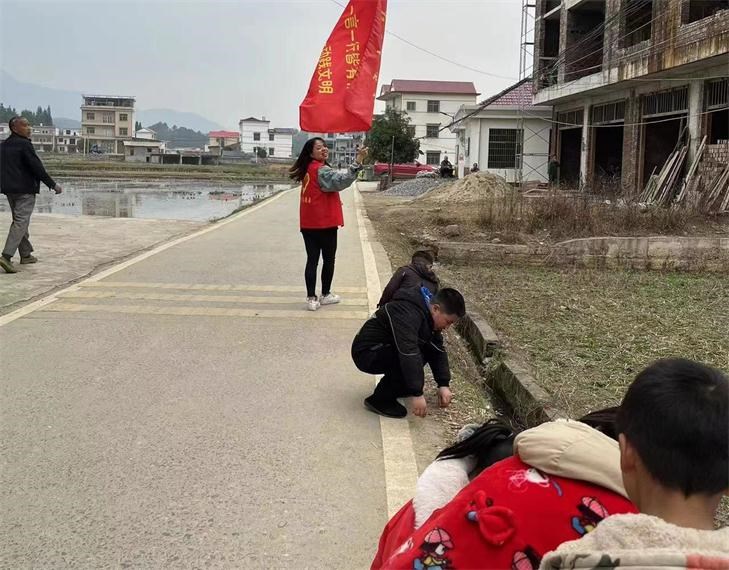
column 320, row 213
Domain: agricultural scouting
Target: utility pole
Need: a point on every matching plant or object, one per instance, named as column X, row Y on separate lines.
column 392, row 157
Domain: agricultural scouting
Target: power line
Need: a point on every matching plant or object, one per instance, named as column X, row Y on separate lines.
column 443, row 58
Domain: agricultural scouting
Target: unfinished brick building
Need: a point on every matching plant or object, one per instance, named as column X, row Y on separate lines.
column 629, row 80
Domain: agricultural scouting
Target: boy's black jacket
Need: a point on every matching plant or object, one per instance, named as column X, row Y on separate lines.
column 405, row 324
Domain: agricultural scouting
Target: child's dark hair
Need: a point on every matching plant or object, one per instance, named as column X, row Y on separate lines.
column 494, row 440
column 489, row 443
column 676, row 415
column 301, row 166
column 451, row 301
column 424, row 256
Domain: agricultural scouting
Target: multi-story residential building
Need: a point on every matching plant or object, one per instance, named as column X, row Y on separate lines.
column 145, row 134
column 431, row 106
column 280, row 142
column 505, row 134
column 107, row 121
column 67, row 140
column 44, row 137
column 629, row 80
column 342, row 146
column 255, row 134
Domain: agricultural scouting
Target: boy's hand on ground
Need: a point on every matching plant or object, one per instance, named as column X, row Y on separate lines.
column 420, row 406
column 444, row 396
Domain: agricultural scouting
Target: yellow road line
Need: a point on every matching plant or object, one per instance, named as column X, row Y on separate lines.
column 62, row 307
column 211, row 287
column 401, row 470
column 40, row 303
column 142, row 296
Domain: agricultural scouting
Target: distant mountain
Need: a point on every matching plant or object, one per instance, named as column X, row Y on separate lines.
column 180, row 118
column 179, row 137
column 29, row 96
column 63, row 123
column 68, row 104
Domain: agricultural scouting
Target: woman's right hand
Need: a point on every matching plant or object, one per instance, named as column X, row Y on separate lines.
column 362, row 154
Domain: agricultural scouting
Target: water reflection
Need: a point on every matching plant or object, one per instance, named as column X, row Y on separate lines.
column 171, row 200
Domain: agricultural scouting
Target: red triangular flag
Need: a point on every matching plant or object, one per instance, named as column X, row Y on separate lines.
column 342, row 92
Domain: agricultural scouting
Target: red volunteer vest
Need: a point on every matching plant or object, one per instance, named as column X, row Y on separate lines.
column 507, row 518
column 318, row 210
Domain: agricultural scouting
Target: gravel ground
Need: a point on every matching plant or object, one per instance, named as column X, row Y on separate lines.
column 414, row 187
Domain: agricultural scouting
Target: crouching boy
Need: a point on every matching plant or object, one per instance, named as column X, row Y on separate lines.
column 399, row 340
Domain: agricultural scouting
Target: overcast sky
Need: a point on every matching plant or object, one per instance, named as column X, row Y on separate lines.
column 229, row 59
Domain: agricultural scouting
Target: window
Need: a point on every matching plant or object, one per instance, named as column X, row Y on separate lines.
column 123, row 117
column 411, row 130
column 432, row 157
column 90, row 116
column 700, row 9
column 123, row 131
column 270, row 151
column 256, row 136
column 432, row 131
column 271, row 136
column 504, row 147
column 433, row 106
column 90, row 130
column 410, row 106
column 637, row 21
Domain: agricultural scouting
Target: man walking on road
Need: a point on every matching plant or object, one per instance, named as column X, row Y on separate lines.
column 21, row 172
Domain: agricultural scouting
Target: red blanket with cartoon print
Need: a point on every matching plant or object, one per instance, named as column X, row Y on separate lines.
column 508, row 517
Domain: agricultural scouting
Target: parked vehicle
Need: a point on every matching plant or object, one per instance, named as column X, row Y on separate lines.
column 406, row 170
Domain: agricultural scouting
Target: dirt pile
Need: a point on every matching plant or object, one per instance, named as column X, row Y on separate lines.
column 471, row 189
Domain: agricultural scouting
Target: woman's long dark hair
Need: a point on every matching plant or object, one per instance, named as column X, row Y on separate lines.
column 301, row 166
column 494, row 440
column 491, row 442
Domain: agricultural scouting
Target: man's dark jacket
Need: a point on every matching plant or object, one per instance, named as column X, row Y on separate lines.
column 405, row 324
column 408, row 276
column 21, row 171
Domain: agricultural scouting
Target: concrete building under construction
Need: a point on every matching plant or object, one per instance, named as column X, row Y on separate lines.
column 630, row 80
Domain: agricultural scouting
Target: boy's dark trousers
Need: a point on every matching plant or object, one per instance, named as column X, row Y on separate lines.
column 383, row 359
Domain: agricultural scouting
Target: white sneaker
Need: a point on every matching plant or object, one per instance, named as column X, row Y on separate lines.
column 312, row 303
column 330, row 299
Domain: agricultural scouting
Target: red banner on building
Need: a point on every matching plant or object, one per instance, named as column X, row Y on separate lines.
column 342, row 92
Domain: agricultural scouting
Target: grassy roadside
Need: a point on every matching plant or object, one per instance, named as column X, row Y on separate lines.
column 584, row 333
column 63, row 167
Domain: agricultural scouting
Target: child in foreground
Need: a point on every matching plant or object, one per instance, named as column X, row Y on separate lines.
column 673, row 429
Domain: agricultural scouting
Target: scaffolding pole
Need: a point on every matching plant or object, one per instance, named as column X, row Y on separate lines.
column 526, row 68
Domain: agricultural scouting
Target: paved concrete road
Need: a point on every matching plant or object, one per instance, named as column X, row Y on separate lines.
column 71, row 247
column 187, row 411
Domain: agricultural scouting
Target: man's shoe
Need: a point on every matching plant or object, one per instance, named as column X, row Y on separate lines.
column 28, row 259
column 7, row 265
column 390, row 410
column 330, row 299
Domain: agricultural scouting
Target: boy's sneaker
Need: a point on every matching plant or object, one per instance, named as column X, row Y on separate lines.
column 7, row 265
column 28, row 259
column 312, row 303
column 389, row 410
column 330, row 299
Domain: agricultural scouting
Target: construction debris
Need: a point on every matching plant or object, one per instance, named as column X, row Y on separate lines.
column 706, row 182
